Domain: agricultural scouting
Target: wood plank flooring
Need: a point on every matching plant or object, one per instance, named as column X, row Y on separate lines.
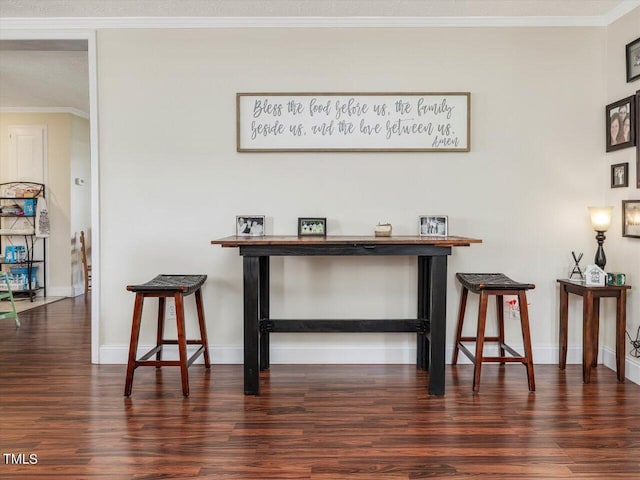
column 311, row 421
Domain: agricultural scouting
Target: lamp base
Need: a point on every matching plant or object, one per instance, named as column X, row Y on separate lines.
column 601, row 258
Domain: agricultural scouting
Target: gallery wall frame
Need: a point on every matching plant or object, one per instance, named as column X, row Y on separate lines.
column 620, row 175
column 620, row 122
column 353, row 122
column 637, row 137
column 631, row 218
column 633, row 60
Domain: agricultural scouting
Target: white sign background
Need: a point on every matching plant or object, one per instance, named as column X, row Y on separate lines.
column 347, row 122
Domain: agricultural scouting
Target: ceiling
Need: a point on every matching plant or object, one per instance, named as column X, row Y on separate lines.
column 53, row 74
column 304, row 8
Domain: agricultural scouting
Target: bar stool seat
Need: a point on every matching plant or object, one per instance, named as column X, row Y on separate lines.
column 162, row 287
column 498, row 284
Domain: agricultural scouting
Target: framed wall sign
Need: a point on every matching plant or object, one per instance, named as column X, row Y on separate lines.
column 353, row 122
column 620, row 121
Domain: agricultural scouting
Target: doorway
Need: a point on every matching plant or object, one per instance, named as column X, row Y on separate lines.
column 73, row 40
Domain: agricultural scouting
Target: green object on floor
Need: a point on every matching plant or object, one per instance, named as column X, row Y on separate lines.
column 7, row 294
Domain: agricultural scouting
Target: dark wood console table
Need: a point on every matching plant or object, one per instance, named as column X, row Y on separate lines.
column 430, row 324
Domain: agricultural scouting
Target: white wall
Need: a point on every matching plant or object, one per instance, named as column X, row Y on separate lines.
column 80, row 202
column 623, row 253
column 171, row 180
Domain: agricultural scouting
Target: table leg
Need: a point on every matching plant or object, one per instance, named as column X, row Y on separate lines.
column 621, row 325
column 596, row 331
column 587, row 336
column 422, row 360
column 251, row 276
column 264, row 312
column 438, row 319
column 564, row 321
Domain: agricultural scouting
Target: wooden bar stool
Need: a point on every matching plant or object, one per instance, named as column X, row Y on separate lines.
column 497, row 284
column 176, row 287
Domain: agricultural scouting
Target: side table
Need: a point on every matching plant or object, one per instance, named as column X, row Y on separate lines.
column 591, row 296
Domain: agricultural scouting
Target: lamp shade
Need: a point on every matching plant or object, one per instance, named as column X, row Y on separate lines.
column 600, row 218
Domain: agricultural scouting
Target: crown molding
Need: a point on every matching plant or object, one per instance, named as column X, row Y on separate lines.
column 70, row 110
column 97, row 23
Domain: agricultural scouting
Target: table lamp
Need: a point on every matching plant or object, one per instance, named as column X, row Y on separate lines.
column 601, row 220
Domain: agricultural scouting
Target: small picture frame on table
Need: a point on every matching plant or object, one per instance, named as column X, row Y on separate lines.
column 433, row 225
column 633, row 60
column 631, row 218
column 620, row 175
column 620, row 121
column 250, row 225
column 312, row 227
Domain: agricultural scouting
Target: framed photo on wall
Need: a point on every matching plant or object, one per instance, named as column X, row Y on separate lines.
column 312, row 227
column 433, row 225
column 620, row 121
column 620, row 175
column 631, row 218
column 250, row 225
column 638, row 146
column 633, row 60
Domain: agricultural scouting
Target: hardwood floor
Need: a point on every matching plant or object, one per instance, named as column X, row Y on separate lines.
column 311, row 421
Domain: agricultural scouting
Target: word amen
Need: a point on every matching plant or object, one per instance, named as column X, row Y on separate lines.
column 20, row 458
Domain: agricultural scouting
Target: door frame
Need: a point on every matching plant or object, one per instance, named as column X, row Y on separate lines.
column 90, row 36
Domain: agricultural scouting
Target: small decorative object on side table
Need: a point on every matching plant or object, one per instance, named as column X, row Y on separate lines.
column 576, row 266
column 383, row 230
column 595, row 276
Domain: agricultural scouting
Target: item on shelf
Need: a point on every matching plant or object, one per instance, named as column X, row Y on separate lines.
column 14, row 253
column 13, row 209
column 29, row 209
column 383, row 230
column 21, row 275
column 617, row 279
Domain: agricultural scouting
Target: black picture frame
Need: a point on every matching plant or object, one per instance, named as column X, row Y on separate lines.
column 620, row 117
column 633, row 60
column 312, row 227
column 620, row 175
column 631, row 218
column 637, row 143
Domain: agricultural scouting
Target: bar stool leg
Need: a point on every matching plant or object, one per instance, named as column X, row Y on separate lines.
column 203, row 328
column 182, row 343
column 133, row 343
column 463, row 306
column 500, row 316
column 526, row 339
column 160, row 330
column 482, row 320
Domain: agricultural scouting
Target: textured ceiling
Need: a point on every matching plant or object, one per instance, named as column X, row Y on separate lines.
column 330, row 8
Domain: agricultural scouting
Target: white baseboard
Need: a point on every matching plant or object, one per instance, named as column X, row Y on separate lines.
column 60, row 292
column 358, row 354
